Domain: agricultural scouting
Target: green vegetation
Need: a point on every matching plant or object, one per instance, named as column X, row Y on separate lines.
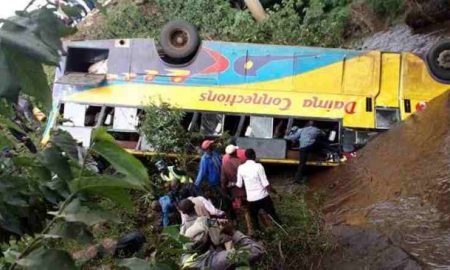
column 305, row 241
column 52, row 205
column 387, row 8
column 314, row 22
column 290, row 22
column 161, row 125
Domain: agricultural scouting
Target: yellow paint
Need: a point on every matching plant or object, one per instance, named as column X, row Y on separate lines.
column 248, row 65
column 349, row 108
column 151, row 72
column 417, row 83
column 178, row 72
column 362, row 75
column 263, row 160
column 373, row 75
column 390, row 80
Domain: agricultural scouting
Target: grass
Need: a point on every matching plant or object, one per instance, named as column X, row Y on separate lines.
column 306, row 241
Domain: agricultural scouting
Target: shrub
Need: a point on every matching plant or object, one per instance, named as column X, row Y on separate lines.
column 293, row 22
column 305, row 239
column 386, row 8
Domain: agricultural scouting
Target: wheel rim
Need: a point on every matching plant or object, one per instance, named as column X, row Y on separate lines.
column 179, row 38
column 444, row 59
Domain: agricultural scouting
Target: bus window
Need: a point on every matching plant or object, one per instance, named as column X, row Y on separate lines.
column 211, row 124
column 125, row 119
column 280, row 127
column 190, row 121
column 74, row 114
column 244, row 124
column 108, row 117
column 87, row 60
column 92, row 114
column 231, row 124
column 260, row 127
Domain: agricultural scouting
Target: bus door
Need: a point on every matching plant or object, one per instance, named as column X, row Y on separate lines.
column 387, row 110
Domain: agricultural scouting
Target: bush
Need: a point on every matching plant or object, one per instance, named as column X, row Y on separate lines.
column 386, row 8
column 293, row 22
column 306, row 238
column 162, row 126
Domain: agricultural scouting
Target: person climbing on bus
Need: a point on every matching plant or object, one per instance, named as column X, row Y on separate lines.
column 170, row 173
column 310, row 138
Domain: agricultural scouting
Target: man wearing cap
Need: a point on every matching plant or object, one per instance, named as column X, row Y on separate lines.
column 210, row 164
column 230, row 164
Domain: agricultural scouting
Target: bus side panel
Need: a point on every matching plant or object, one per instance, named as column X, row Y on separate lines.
column 390, row 80
column 417, row 85
column 362, row 75
column 324, row 80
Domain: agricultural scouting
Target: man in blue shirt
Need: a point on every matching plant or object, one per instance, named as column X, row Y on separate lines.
column 309, row 138
column 210, row 165
column 164, row 207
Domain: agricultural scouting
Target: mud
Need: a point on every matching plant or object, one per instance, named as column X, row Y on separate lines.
column 400, row 185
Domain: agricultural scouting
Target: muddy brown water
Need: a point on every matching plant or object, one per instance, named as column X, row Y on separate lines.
column 400, row 185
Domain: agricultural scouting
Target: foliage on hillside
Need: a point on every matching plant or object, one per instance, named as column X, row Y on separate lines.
column 326, row 23
column 315, row 22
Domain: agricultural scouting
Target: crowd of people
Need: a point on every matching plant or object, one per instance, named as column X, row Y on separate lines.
column 229, row 190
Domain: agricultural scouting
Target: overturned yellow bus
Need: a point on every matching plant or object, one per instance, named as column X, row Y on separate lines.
column 255, row 92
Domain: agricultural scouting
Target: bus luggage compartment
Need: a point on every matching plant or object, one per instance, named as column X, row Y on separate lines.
column 264, row 148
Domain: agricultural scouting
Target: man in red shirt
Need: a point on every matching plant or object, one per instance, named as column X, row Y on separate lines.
column 240, row 153
column 230, row 164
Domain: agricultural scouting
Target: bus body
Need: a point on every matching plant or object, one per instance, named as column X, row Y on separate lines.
column 254, row 92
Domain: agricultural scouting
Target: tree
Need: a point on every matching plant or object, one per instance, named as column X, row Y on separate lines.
column 50, row 181
column 164, row 132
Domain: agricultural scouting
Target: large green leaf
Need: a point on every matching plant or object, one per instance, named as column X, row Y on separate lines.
column 47, row 259
column 5, row 142
column 66, row 142
column 60, row 186
column 71, row 230
column 52, row 159
column 32, row 78
column 135, row 264
column 9, row 222
column 119, row 196
column 19, row 32
column 9, row 85
column 76, row 212
column 85, row 183
column 122, row 161
column 11, row 125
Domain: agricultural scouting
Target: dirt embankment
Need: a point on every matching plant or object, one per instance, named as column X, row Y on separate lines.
column 400, row 185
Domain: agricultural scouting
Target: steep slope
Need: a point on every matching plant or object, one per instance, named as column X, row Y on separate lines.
column 400, row 184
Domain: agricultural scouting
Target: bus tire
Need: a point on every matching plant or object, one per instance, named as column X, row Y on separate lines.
column 438, row 60
column 179, row 40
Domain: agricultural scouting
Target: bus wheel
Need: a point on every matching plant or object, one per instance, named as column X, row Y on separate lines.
column 438, row 59
column 179, row 40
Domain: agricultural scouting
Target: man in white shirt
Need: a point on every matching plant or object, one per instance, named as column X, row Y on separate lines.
column 252, row 175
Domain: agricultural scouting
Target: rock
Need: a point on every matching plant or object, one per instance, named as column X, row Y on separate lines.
column 366, row 248
column 426, row 13
column 106, row 248
column 85, row 255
